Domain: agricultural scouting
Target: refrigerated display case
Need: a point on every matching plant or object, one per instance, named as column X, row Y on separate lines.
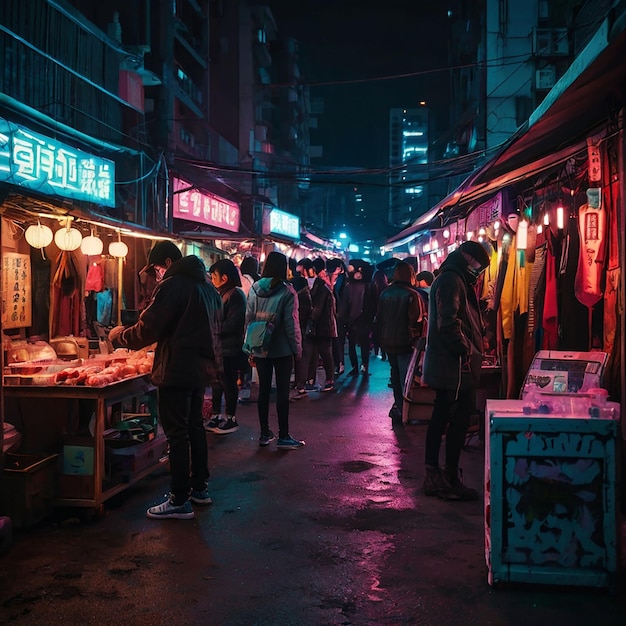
column 551, row 505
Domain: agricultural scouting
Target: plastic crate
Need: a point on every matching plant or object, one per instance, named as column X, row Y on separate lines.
column 29, row 488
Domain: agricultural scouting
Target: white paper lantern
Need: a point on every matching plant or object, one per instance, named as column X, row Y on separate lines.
column 38, row 236
column 68, row 239
column 118, row 249
column 91, row 246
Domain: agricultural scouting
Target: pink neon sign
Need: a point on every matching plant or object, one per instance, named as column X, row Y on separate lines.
column 204, row 207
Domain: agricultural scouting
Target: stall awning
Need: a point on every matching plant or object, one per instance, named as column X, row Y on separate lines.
column 581, row 105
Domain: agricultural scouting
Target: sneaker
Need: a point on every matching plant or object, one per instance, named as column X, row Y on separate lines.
column 289, row 443
column 244, row 396
column 168, row 510
column 329, row 386
column 461, row 490
column 311, row 387
column 229, row 425
column 214, row 423
column 363, row 370
column 436, row 484
column 267, row 438
column 340, row 369
column 201, row 496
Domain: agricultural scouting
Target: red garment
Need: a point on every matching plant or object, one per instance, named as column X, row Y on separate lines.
column 550, row 319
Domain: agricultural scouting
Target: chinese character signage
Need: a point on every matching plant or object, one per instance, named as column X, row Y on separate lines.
column 281, row 223
column 16, row 300
column 204, row 207
column 41, row 164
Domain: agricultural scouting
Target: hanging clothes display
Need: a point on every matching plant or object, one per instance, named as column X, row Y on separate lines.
column 66, row 297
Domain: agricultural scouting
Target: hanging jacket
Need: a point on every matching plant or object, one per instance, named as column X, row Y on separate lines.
column 278, row 300
column 184, row 318
column 454, row 346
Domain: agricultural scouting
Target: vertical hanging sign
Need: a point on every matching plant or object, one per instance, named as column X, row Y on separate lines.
column 16, row 293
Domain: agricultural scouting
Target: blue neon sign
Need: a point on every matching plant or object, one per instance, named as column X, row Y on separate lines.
column 47, row 166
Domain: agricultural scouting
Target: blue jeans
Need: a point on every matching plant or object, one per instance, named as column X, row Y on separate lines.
column 180, row 413
column 281, row 367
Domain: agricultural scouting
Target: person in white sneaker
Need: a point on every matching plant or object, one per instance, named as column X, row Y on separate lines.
column 273, row 297
column 183, row 318
column 225, row 279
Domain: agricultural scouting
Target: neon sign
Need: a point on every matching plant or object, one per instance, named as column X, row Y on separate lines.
column 204, row 207
column 281, row 223
column 38, row 163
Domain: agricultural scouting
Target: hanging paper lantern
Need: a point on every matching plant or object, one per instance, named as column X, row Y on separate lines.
column 92, row 246
column 68, row 239
column 118, row 249
column 38, row 236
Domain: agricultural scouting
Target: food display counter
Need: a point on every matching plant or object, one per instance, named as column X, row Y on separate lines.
column 83, row 415
column 551, row 509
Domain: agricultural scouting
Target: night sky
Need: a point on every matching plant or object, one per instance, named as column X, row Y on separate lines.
column 348, row 40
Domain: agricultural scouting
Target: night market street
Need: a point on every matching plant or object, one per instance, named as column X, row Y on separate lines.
column 336, row 533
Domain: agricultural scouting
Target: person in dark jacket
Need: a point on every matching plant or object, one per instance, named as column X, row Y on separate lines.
column 226, row 280
column 272, row 297
column 183, row 317
column 336, row 270
column 399, row 320
column 452, row 363
column 359, row 311
column 323, row 328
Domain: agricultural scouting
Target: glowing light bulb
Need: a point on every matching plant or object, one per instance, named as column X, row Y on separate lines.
column 559, row 218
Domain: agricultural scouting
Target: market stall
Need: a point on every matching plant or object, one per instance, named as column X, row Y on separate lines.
column 551, row 503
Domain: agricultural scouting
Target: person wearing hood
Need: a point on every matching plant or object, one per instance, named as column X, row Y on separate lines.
column 452, row 364
column 183, row 317
column 225, row 279
column 272, row 297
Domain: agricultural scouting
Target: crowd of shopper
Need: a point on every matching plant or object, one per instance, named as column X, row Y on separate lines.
column 308, row 309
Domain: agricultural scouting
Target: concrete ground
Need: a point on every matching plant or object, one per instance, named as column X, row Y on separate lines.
column 337, row 533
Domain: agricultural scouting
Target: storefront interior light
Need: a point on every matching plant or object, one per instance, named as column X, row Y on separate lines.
column 482, row 231
column 118, row 248
column 546, row 219
column 68, row 238
column 521, row 237
column 469, row 235
column 38, row 235
column 496, row 225
column 539, row 229
column 91, row 245
column 446, row 234
column 559, row 217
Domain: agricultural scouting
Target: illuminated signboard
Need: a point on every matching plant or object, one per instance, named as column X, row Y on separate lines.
column 204, row 207
column 47, row 166
column 281, row 223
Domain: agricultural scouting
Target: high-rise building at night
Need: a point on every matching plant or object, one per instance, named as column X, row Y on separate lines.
column 408, row 150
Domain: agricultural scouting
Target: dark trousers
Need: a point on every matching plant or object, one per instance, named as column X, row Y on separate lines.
column 180, row 413
column 313, row 347
column 451, row 410
column 233, row 369
column 339, row 344
column 281, row 368
column 361, row 338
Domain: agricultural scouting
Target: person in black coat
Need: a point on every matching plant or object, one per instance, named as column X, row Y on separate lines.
column 226, row 280
column 452, row 364
column 399, row 321
column 183, row 317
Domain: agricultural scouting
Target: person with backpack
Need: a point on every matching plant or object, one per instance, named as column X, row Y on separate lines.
column 399, row 323
column 273, row 306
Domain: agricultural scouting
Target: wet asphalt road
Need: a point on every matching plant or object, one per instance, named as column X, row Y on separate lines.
column 335, row 533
